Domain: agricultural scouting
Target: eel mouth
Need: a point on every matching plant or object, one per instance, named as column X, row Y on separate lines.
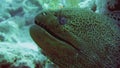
column 53, row 34
column 36, row 32
column 41, row 24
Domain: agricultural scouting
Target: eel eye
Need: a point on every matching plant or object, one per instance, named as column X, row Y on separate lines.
column 62, row 20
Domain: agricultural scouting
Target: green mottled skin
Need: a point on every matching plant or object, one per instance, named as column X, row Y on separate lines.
column 84, row 41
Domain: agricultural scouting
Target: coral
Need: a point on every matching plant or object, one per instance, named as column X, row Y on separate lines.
column 109, row 8
column 71, row 3
column 16, row 56
column 16, row 48
column 50, row 4
column 102, row 6
column 99, row 5
column 31, row 5
column 9, row 30
column 87, row 4
column 14, row 12
column 2, row 38
column 4, row 15
column 58, row 4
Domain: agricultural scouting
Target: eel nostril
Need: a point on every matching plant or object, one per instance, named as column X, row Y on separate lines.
column 44, row 13
column 36, row 22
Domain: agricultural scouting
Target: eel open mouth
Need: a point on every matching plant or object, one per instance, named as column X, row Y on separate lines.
column 52, row 44
column 38, row 30
column 57, row 37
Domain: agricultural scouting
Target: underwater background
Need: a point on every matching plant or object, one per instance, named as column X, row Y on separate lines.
column 17, row 49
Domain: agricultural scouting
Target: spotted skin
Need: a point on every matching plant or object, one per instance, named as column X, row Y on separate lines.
column 84, row 41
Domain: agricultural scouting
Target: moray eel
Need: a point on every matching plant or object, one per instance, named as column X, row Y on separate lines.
column 77, row 38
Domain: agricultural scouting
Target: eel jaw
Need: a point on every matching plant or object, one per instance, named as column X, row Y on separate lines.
column 57, row 51
column 39, row 34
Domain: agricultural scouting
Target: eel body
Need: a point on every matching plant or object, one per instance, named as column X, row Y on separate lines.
column 77, row 38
